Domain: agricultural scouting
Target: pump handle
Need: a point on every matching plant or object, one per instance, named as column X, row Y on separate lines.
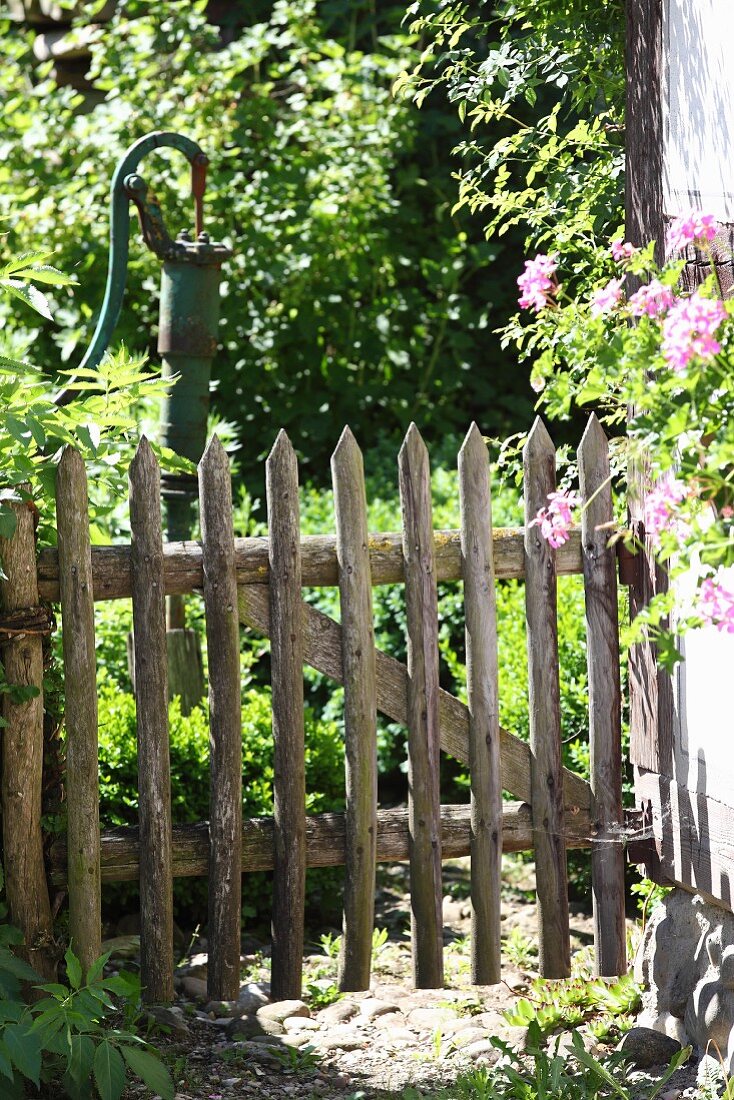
column 120, row 198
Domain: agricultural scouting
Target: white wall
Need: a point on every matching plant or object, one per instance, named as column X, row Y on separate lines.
column 698, row 38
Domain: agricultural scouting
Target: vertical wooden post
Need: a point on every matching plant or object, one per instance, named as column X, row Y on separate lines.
column 424, row 801
column 605, row 703
column 151, row 700
column 22, row 740
column 289, row 778
column 360, row 712
column 225, row 723
column 539, row 461
column 80, row 686
column 477, row 566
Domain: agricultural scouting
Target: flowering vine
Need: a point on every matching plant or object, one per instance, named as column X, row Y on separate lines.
column 658, row 365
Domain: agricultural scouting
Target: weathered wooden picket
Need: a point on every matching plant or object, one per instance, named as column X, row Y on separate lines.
column 258, row 582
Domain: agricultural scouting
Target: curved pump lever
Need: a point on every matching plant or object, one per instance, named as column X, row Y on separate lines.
column 129, row 187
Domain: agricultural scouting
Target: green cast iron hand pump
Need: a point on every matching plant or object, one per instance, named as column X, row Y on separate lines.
column 189, row 309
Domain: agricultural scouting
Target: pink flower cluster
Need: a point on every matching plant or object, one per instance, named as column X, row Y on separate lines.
column 695, row 227
column 555, row 520
column 622, row 250
column 652, row 299
column 606, row 298
column 537, row 282
column 660, row 507
column 716, row 602
column 689, row 330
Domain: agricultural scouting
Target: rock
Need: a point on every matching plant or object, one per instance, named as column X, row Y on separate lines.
column 223, row 1008
column 338, row 1013
column 281, row 1010
column 482, row 1048
column 123, row 947
column 430, row 1018
column 195, row 988
column 170, row 1018
column 244, row 1027
column 251, row 998
column 300, row 1023
column 515, row 1037
column 469, row 1035
column 372, row 1008
column 644, row 1047
column 342, row 1038
column 389, row 1021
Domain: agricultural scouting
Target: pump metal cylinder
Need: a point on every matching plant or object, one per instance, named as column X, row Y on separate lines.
column 187, row 343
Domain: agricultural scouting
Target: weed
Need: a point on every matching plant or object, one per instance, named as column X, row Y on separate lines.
column 297, row 1059
column 520, row 950
column 570, row 1002
column 321, row 996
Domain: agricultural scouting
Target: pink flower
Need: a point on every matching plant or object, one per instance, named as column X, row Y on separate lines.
column 660, row 507
column 652, row 299
column 689, row 329
column 537, row 282
column 622, row 250
column 727, row 511
column 695, row 227
column 555, row 520
column 716, row 602
column 605, row 299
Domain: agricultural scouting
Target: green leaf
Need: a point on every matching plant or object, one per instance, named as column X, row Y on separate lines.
column 8, row 523
column 24, row 1050
column 81, row 1059
column 97, row 967
column 19, row 968
column 73, row 969
column 109, row 1071
column 151, row 1071
column 28, row 294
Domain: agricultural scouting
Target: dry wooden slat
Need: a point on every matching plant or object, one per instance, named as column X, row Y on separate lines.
column 325, row 838
column 225, row 724
column 22, row 750
column 289, row 769
column 183, row 569
column 323, row 651
column 424, row 800
column 151, row 702
column 482, row 692
column 360, row 712
column 605, row 702
column 80, row 691
column 539, row 462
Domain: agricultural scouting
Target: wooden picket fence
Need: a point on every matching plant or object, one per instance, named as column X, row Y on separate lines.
column 257, row 582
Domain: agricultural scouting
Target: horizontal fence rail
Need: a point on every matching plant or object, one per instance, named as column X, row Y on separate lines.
column 183, row 567
column 257, row 583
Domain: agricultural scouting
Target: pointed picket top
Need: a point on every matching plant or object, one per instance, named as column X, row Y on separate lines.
column 72, row 464
column 346, row 448
column 214, row 458
column 474, row 447
column 539, row 443
column 594, row 440
column 144, row 462
column 282, row 450
column 413, row 450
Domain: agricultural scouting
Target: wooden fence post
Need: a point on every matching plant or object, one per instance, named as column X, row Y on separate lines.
column 80, row 688
column 22, row 740
column 605, row 704
column 539, row 462
column 360, row 712
column 225, row 724
column 482, row 692
column 424, row 800
column 151, row 702
column 289, row 778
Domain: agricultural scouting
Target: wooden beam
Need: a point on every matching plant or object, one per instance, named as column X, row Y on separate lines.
column 325, row 842
column 183, row 569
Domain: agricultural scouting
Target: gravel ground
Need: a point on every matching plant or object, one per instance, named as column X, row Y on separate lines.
column 375, row 1044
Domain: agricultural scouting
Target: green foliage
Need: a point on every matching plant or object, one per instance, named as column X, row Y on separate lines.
column 70, row 1037
column 540, row 88
column 538, row 1075
column 189, row 755
column 354, row 293
column 570, row 1002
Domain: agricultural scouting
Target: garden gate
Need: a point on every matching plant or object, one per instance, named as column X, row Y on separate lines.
column 258, row 582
